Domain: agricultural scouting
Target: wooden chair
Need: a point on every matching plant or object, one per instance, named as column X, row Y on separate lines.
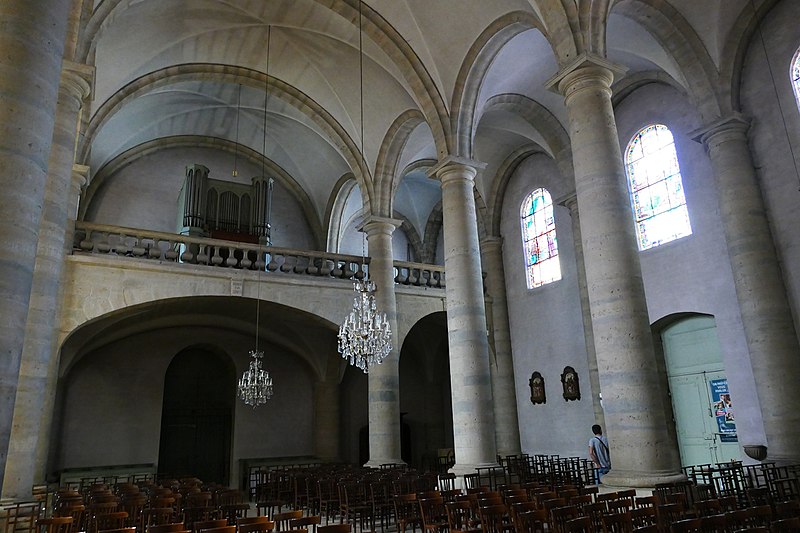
column 707, row 508
column 334, row 528
column 689, row 524
column 434, row 514
column 717, row 523
column 790, row 509
column 786, row 524
column 461, row 517
column 582, row 524
column 76, row 512
column 595, row 512
column 202, row 525
column 309, row 523
column 57, row 524
column 257, row 527
column 559, row 516
column 109, row 521
column 446, row 481
column 644, row 516
column 669, row 513
column 534, row 521
column 165, row 528
column 495, row 519
column 283, row 520
column 618, row 522
column 406, row 512
column 120, row 530
column 252, row 520
column 223, row 529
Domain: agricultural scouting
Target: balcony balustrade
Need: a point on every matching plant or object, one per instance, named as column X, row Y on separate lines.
column 179, row 249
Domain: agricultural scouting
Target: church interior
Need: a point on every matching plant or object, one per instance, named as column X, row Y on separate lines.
column 572, row 212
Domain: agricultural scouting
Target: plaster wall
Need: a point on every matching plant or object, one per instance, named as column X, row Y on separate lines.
column 112, row 401
column 546, row 323
column 775, row 149
column 693, row 274
column 145, row 193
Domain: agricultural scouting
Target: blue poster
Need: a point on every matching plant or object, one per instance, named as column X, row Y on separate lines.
column 722, row 409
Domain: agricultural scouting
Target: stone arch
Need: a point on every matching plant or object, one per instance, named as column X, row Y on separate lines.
column 107, row 171
column 500, row 183
column 387, row 177
column 335, row 210
column 126, row 320
column 473, row 71
column 431, row 237
column 627, row 85
column 240, row 76
column 676, row 35
column 411, row 234
column 424, row 89
column 735, row 49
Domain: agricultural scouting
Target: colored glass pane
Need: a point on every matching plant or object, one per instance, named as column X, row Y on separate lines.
column 539, row 239
column 796, row 77
column 656, row 187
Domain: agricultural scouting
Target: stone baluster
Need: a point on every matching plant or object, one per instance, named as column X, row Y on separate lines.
column 503, row 386
column 473, row 423
column 32, row 42
column 766, row 316
column 643, row 452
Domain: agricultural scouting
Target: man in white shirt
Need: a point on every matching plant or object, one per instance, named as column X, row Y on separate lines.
column 598, row 452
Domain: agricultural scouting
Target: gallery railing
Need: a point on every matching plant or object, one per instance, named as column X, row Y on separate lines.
column 187, row 250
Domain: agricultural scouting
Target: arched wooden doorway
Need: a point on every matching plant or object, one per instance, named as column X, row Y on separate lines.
column 199, row 394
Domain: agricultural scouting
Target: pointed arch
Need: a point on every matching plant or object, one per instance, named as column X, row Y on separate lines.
column 335, row 210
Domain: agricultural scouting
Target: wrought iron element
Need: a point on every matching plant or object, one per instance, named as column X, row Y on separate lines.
column 365, row 338
column 255, row 385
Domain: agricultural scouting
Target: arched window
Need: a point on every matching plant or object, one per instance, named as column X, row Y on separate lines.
column 539, row 239
column 796, row 76
column 654, row 181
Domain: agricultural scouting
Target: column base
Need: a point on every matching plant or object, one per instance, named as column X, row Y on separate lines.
column 377, row 463
column 638, row 479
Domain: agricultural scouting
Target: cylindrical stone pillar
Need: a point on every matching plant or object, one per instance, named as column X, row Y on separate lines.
column 571, row 203
column 32, row 36
column 40, row 349
column 766, row 316
column 384, row 379
column 326, row 421
column 642, row 453
column 506, row 423
column 473, row 423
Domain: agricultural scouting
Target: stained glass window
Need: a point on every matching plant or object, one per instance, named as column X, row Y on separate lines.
column 656, row 187
column 796, row 77
column 539, row 239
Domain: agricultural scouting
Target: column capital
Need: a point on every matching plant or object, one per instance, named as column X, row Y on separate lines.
column 373, row 225
column 733, row 126
column 570, row 201
column 587, row 70
column 80, row 175
column 77, row 79
column 467, row 168
column 492, row 243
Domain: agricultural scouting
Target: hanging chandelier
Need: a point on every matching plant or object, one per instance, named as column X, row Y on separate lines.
column 255, row 385
column 365, row 337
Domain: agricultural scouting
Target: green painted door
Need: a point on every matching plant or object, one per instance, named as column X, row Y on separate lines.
column 696, row 377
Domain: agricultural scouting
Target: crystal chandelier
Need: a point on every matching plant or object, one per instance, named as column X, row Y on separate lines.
column 365, row 337
column 255, row 385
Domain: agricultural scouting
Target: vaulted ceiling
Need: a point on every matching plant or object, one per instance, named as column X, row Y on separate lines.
column 464, row 77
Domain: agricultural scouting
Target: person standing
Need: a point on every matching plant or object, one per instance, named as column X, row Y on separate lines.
column 598, row 452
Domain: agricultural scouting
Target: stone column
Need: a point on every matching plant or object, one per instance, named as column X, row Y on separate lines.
column 571, row 203
column 506, row 429
column 766, row 316
column 326, row 421
column 384, row 379
column 642, row 453
column 473, row 421
column 40, row 349
column 31, row 51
